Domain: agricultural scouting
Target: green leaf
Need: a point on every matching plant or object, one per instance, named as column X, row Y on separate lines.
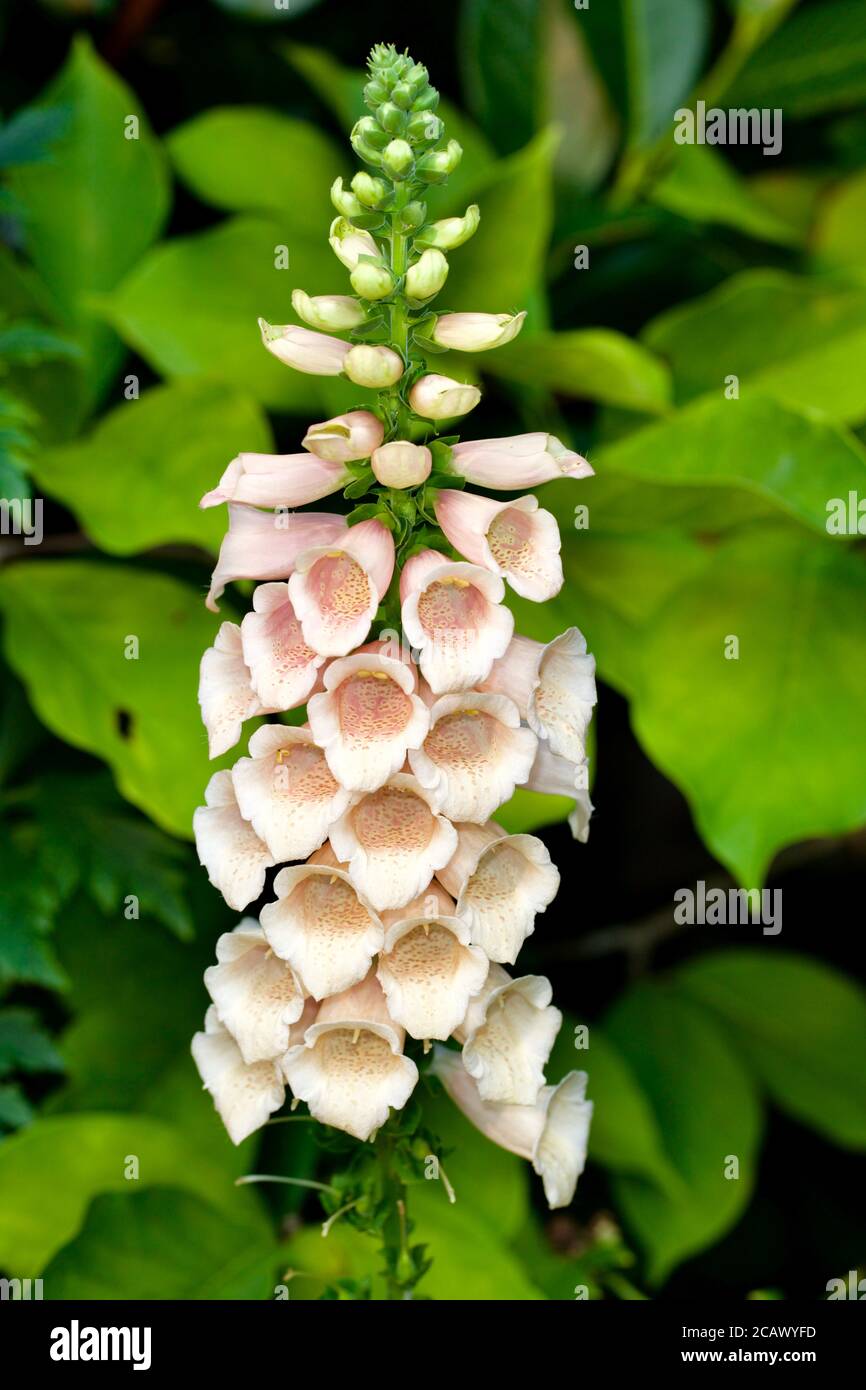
column 491, row 1183
column 66, row 631
column 24, row 1044
column 794, row 339
column 707, row 1111
column 135, row 481
column 498, row 269
column 87, row 836
column 795, row 460
column 815, row 62
column 703, row 187
column 50, row 1172
column 625, row 1134
column 94, row 208
column 251, row 159
column 27, row 908
column 797, row 686
column 162, row 1243
column 27, row 137
column 840, row 234
column 649, row 52
column 801, row 1027
column 470, row 1261
column 596, row 363
column 15, row 1109
column 190, row 307
column 527, row 811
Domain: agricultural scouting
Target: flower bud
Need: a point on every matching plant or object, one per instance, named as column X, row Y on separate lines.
column 424, row 126
column 428, row 100
column 375, row 93
column 373, row 366
column 344, row 201
column 315, row 353
column 349, row 244
column 368, row 139
column 411, row 216
column 440, row 398
column 392, row 119
column 370, row 191
column 438, row 164
column 417, row 78
column 452, row 231
column 401, row 95
column 332, row 313
column 346, row 437
column 372, row 281
column 476, row 332
column 398, row 159
column 401, row 464
column 427, row 276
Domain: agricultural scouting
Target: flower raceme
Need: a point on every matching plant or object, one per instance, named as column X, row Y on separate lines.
column 400, row 901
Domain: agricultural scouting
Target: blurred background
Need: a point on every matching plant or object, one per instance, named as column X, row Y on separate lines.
column 697, row 326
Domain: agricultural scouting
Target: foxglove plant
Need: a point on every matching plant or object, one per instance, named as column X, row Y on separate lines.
column 382, row 953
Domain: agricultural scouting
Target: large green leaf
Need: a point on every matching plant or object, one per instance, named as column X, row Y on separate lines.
column 190, row 306
column 252, row 159
column 707, row 1111
column 24, row 1045
column 702, row 186
column 98, row 203
column 135, row 481
column 500, row 52
column 162, row 1243
column 840, row 235
column 27, row 906
column 800, row 341
column 815, row 62
column 649, row 53
column 796, row 461
column 768, row 747
column 596, row 363
column 493, row 1184
column 801, row 1027
column 67, row 628
column 50, row 1172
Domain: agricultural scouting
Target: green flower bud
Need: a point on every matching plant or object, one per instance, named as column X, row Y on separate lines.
column 427, row 276
column 344, row 201
column 401, row 95
column 392, row 119
column 369, row 129
column 438, row 164
column 398, row 159
column 372, row 281
column 452, row 231
column 411, row 216
column 375, row 93
column 427, row 101
column 370, row 191
column 417, row 78
column 424, row 126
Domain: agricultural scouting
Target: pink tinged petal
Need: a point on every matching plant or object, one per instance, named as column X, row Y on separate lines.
column 355, row 435
column 393, row 841
column 507, row 1035
column 266, row 545
column 432, row 902
column 453, row 614
column 366, row 719
column 225, row 692
column 322, row 927
column 475, row 754
column 501, row 882
column 553, row 1133
column 244, row 1096
column 517, row 540
column 228, row 847
column 336, row 589
column 402, row 464
column 287, row 792
column 442, row 398
column 523, row 460
column 283, row 669
column 351, row 1070
column 314, row 353
column 277, row 480
column 553, row 775
column 429, row 972
column 553, row 687
column 256, row 995
column 476, row 332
